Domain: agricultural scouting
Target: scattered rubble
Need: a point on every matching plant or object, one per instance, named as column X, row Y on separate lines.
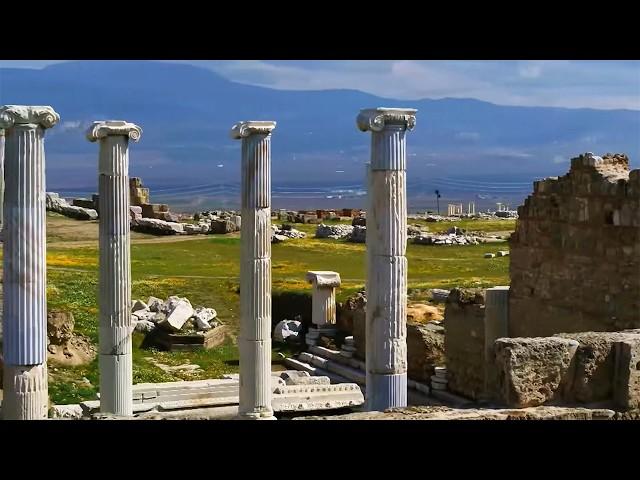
column 358, row 234
column 336, row 232
column 176, row 314
column 55, row 203
column 285, row 232
column 157, row 227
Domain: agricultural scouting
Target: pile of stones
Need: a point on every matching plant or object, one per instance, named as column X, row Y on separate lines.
column 358, row 234
column 194, row 229
column 507, row 214
column 156, row 227
column 285, row 232
column 59, row 205
column 219, row 221
column 348, row 348
column 454, row 236
column 176, row 314
column 336, row 232
column 439, row 380
column 359, row 222
column 314, row 335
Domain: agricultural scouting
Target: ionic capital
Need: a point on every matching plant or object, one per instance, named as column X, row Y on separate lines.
column 107, row 128
column 42, row 116
column 253, row 127
column 377, row 119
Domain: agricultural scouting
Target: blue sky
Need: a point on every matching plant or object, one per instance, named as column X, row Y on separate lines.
column 595, row 84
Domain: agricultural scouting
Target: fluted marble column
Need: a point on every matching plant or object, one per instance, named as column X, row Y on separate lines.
column 114, row 282
column 386, row 322
column 25, row 297
column 255, row 270
column 1, row 178
column 496, row 325
column 323, row 296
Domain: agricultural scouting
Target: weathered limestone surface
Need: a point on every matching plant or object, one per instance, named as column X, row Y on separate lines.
column 496, row 325
column 627, row 377
column 255, row 269
column 595, row 365
column 138, row 195
column 115, row 326
column 386, row 262
column 533, row 371
column 425, row 350
column 24, row 281
column 575, row 254
column 446, row 413
column 464, row 344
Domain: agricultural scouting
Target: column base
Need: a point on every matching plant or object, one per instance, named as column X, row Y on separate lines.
column 116, row 384
column 26, row 394
column 386, row 391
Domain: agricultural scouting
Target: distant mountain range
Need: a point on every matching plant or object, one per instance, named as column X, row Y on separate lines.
column 186, row 113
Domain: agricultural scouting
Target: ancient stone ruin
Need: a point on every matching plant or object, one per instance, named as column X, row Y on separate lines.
column 565, row 333
column 575, row 254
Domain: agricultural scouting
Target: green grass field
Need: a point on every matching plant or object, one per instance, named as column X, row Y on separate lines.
column 206, row 270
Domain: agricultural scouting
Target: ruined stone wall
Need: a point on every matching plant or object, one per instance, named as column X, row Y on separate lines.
column 137, row 193
column 464, row 342
column 575, row 253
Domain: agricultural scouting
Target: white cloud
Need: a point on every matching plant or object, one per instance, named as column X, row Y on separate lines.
column 530, row 70
column 560, row 159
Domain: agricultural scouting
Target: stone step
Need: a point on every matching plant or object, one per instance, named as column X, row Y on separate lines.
column 335, row 355
column 305, row 367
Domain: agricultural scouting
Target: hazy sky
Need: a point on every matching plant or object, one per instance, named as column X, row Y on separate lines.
column 595, row 84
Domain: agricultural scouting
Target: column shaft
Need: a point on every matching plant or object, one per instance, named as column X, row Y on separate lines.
column 1, row 178
column 115, row 277
column 255, row 278
column 323, row 302
column 386, row 330
column 25, row 299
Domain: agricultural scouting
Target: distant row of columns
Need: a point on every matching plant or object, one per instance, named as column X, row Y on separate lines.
column 25, row 380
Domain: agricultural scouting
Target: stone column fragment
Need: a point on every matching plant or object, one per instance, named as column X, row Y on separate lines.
column 496, row 325
column 115, row 326
column 255, row 270
column 24, row 274
column 323, row 296
column 1, row 178
column 386, row 328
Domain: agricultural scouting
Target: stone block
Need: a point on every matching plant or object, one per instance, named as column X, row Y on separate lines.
column 425, row 350
column 595, row 365
column 626, row 390
column 303, row 378
column 534, row 371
